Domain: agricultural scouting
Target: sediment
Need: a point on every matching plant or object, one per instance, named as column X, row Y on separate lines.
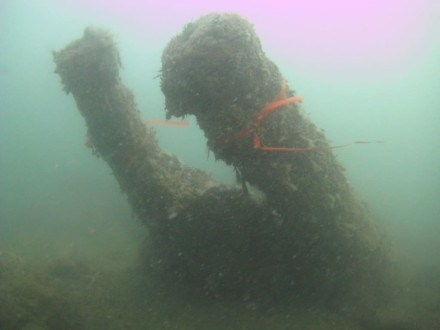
column 300, row 233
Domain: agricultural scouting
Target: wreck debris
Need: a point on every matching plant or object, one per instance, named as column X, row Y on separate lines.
column 216, row 70
column 308, row 238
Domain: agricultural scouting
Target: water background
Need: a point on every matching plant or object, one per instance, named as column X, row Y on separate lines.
column 367, row 73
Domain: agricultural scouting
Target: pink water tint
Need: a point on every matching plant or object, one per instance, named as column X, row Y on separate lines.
column 361, row 36
column 332, row 36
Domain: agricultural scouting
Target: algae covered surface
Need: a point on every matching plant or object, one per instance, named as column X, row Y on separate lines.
column 144, row 240
column 97, row 286
column 213, row 238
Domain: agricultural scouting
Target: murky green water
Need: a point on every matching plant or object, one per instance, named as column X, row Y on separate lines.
column 70, row 249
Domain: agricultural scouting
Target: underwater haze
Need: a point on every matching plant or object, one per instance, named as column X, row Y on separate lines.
column 368, row 71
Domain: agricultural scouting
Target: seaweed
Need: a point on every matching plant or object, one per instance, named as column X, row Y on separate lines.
column 217, row 70
column 306, row 237
column 29, row 298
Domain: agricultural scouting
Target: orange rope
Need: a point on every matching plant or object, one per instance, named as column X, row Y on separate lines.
column 147, row 135
column 89, row 142
column 156, row 121
column 277, row 102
